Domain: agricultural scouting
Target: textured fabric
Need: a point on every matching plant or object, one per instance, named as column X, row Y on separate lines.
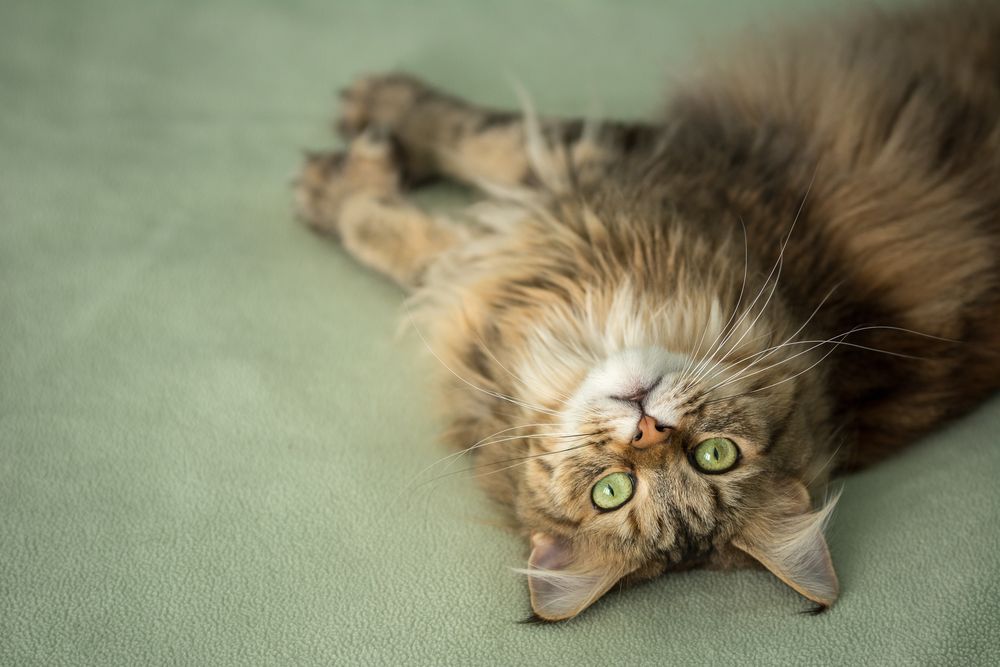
column 210, row 436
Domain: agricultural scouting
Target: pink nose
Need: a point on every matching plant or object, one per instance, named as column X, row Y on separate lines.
column 650, row 433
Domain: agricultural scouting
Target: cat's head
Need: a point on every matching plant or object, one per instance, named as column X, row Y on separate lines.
column 663, row 462
column 665, row 435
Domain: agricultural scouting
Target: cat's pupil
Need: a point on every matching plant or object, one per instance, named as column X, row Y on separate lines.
column 715, row 453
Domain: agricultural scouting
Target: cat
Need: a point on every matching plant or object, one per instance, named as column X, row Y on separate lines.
column 660, row 340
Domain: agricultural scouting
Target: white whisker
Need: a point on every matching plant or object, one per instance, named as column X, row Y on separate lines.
column 768, row 352
column 736, row 308
column 777, row 265
column 834, row 340
column 528, row 436
column 477, row 445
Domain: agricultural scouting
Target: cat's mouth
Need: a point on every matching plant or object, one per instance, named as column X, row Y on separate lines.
column 639, row 393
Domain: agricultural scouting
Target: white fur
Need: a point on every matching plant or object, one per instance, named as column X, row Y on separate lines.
column 603, row 350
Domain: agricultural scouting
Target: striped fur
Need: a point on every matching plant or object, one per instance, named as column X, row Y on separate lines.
column 802, row 255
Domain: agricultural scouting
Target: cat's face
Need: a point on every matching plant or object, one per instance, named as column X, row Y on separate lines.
column 667, row 463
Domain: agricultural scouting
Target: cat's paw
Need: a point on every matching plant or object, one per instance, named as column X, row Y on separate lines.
column 381, row 100
column 368, row 168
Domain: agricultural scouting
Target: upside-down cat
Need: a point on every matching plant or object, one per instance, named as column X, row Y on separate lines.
column 663, row 338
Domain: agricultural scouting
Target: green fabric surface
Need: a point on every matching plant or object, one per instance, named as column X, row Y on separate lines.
column 209, row 432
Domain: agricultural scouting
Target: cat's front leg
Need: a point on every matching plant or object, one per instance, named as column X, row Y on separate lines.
column 438, row 134
column 442, row 135
column 355, row 196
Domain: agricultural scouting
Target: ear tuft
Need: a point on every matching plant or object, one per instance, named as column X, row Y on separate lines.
column 794, row 550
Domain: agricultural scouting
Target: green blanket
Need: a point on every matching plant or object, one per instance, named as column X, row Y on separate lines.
column 210, row 436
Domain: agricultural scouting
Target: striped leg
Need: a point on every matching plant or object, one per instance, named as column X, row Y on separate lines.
column 355, row 196
column 441, row 135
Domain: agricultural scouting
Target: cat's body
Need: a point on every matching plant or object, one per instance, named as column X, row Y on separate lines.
column 801, row 259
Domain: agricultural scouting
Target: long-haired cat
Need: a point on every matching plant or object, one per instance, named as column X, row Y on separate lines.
column 661, row 339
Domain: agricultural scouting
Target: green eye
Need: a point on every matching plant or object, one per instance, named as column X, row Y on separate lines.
column 715, row 455
column 613, row 491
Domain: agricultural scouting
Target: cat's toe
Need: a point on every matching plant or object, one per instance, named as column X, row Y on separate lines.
column 311, row 187
column 379, row 100
column 327, row 180
column 374, row 145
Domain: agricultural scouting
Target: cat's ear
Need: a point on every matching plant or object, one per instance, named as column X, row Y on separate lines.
column 793, row 548
column 559, row 588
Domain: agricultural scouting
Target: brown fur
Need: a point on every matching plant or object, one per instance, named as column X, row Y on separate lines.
column 848, row 177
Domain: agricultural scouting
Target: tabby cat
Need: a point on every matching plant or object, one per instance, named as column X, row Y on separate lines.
column 662, row 338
